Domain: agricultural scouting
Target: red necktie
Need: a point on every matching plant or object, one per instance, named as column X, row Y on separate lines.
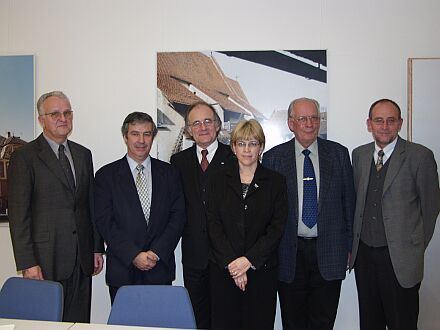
column 204, row 163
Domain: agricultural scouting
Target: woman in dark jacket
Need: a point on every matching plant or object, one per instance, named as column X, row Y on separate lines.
column 247, row 212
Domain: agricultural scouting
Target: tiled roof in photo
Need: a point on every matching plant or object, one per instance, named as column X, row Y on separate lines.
column 177, row 71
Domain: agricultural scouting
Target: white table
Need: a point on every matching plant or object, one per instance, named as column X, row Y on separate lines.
column 36, row 325
column 85, row 326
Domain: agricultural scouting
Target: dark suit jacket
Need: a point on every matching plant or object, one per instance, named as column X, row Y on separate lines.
column 335, row 208
column 195, row 243
column 410, row 205
column 250, row 227
column 47, row 221
column 121, row 222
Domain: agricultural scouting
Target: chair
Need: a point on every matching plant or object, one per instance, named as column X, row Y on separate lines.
column 22, row 298
column 153, row 306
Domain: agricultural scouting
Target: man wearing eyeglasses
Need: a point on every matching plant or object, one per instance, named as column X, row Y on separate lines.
column 398, row 200
column 140, row 211
column 197, row 164
column 315, row 247
column 50, row 183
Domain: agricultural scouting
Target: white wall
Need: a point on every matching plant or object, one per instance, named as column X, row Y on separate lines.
column 102, row 54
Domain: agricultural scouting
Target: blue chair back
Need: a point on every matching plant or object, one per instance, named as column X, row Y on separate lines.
column 153, row 306
column 26, row 299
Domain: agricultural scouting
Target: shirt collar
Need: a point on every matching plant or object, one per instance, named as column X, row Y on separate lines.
column 388, row 150
column 299, row 148
column 211, row 148
column 132, row 163
column 54, row 146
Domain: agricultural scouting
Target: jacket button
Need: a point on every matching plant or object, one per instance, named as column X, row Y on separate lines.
column 74, row 232
column 245, row 207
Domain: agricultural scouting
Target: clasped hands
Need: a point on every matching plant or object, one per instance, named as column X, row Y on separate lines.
column 237, row 269
column 145, row 260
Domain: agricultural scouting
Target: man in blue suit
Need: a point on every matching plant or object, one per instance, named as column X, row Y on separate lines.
column 314, row 250
column 140, row 211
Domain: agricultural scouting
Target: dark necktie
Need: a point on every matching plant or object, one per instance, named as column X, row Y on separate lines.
column 310, row 198
column 204, row 163
column 379, row 163
column 65, row 164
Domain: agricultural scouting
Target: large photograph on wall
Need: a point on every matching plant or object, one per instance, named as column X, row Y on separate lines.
column 240, row 85
column 17, row 115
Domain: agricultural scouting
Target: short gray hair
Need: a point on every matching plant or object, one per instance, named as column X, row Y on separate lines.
column 45, row 96
column 293, row 103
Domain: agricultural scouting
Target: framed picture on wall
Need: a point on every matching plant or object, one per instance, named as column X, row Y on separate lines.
column 239, row 85
column 17, row 114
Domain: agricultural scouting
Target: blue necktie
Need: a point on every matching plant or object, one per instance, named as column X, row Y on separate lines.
column 310, row 198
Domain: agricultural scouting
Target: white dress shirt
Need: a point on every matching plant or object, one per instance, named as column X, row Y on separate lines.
column 303, row 230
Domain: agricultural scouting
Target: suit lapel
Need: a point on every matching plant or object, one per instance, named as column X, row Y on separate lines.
column 364, row 166
column 325, row 170
column 219, row 156
column 234, row 181
column 397, row 159
column 78, row 163
column 289, row 170
column 194, row 168
column 128, row 188
column 48, row 157
column 256, row 183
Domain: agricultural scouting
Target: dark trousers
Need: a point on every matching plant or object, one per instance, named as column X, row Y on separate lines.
column 197, row 283
column 252, row 309
column 77, row 295
column 382, row 301
column 114, row 289
column 309, row 302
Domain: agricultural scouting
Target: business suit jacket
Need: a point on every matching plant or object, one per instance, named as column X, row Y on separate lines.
column 46, row 219
column 195, row 243
column 121, row 221
column 335, row 208
column 250, row 227
column 410, row 205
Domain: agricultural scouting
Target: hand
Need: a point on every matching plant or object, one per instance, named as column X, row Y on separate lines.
column 239, row 267
column 34, row 273
column 241, row 282
column 141, row 261
column 152, row 258
column 145, row 260
column 99, row 263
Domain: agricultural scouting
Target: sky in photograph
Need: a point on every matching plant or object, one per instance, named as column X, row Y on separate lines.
column 269, row 89
column 17, row 112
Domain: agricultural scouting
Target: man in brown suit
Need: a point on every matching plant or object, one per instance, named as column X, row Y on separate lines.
column 50, row 183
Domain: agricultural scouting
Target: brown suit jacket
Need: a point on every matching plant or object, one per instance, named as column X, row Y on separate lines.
column 48, row 222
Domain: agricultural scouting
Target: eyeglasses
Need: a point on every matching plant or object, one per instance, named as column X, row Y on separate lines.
column 303, row 119
column 381, row 121
column 250, row 144
column 68, row 114
column 198, row 124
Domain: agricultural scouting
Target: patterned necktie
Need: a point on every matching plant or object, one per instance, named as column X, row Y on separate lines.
column 204, row 163
column 142, row 189
column 379, row 162
column 310, row 198
column 65, row 164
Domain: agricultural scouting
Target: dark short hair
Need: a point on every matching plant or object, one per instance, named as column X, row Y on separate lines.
column 137, row 117
column 45, row 96
column 384, row 101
